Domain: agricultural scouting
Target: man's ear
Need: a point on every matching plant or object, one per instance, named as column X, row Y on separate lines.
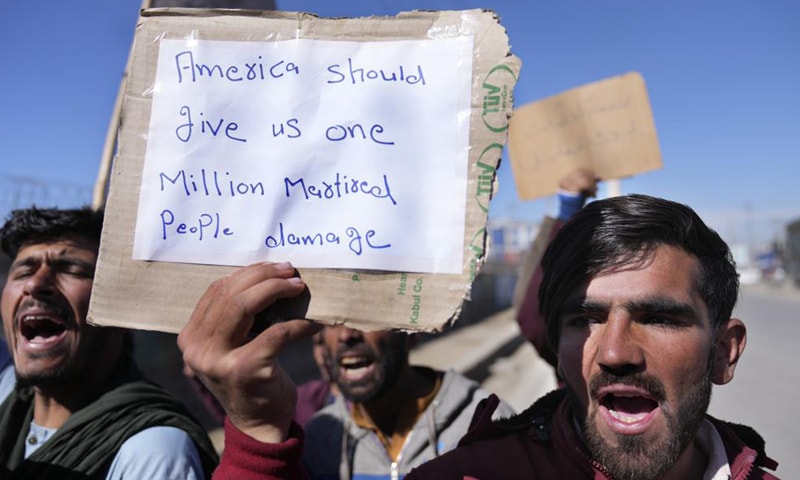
column 731, row 339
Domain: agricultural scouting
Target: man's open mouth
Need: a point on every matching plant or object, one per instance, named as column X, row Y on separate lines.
column 353, row 368
column 628, row 408
column 42, row 328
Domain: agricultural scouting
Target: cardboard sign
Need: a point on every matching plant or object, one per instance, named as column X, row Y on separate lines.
column 607, row 126
column 366, row 159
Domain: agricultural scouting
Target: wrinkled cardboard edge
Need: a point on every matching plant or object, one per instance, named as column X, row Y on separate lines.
column 161, row 296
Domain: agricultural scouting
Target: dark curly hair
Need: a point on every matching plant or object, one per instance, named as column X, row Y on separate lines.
column 39, row 225
column 621, row 231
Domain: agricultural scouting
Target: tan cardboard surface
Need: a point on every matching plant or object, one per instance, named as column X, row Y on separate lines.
column 161, row 295
column 606, row 125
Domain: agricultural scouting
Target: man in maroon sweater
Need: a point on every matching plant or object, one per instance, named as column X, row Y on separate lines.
column 637, row 295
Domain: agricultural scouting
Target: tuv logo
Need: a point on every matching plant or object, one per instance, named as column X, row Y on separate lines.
column 497, row 98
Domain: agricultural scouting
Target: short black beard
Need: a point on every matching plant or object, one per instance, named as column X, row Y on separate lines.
column 390, row 364
column 635, row 458
column 71, row 373
column 58, row 377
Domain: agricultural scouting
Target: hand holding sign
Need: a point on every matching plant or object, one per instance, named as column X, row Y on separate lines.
column 243, row 373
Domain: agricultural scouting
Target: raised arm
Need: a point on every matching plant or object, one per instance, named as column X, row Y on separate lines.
column 242, row 370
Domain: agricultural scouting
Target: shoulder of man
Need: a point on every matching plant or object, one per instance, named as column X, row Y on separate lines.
column 537, row 418
column 337, row 411
column 136, row 406
column 324, row 432
column 518, row 447
column 460, row 394
column 738, row 439
column 165, row 453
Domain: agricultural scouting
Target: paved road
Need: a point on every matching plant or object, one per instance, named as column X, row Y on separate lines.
column 765, row 392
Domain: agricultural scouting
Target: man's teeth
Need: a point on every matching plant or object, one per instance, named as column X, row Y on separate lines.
column 354, row 362
column 355, row 372
column 626, row 418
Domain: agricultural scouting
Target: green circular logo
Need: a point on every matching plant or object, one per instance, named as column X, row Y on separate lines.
column 498, row 98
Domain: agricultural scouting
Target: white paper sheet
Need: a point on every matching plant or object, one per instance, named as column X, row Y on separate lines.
column 328, row 154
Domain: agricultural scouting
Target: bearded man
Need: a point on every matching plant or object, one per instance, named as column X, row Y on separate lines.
column 79, row 408
column 390, row 416
column 637, row 295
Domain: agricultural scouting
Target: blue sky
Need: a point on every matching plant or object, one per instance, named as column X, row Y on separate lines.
column 723, row 80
